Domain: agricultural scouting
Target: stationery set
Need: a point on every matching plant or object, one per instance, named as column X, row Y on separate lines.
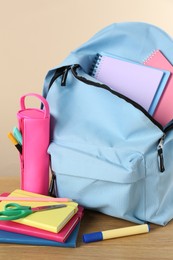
column 55, row 227
column 104, row 127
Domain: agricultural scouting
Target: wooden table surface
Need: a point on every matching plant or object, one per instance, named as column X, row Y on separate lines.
column 158, row 244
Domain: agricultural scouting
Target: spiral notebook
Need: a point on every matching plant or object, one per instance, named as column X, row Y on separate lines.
column 136, row 81
column 164, row 110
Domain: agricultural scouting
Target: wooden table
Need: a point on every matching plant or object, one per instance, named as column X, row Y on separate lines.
column 158, row 244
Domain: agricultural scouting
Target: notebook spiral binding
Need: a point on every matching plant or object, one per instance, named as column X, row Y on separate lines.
column 95, row 64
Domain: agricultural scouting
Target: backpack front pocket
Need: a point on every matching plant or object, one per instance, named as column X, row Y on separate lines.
column 100, row 179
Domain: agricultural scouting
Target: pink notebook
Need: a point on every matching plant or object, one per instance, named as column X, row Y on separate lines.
column 164, row 110
column 36, row 232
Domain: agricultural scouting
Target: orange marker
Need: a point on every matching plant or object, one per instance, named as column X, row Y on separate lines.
column 15, row 142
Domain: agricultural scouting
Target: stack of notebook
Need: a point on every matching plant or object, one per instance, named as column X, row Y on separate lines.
column 164, row 110
column 58, row 227
column 148, row 84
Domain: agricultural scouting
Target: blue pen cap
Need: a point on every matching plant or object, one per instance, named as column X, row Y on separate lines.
column 92, row 237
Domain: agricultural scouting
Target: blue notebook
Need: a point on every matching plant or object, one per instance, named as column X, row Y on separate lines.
column 14, row 238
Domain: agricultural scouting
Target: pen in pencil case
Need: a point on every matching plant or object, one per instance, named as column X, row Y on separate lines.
column 15, row 142
column 17, row 134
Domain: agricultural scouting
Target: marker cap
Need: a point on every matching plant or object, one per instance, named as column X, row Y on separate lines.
column 93, row 237
column 17, row 135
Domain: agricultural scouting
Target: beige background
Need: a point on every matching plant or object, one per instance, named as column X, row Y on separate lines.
column 36, row 35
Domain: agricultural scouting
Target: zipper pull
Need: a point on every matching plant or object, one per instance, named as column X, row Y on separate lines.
column 160, row 154
column 53, row 190
column 64, row 76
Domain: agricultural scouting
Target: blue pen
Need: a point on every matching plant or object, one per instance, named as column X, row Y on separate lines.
column 17, row 134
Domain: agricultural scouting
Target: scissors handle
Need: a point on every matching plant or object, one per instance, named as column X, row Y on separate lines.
column 14, row 211
column 15, row 206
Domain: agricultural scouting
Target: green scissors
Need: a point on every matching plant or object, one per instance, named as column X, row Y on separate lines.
column 14, row 211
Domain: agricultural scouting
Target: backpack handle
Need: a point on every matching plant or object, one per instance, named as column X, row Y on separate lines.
column 42, row 99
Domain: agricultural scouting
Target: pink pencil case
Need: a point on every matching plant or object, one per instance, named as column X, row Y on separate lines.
column 34, row 125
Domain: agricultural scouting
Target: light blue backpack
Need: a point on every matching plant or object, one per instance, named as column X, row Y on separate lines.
column 108, row 153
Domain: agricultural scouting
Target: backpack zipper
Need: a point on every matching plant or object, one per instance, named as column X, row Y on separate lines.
column 100, row 85
column 63, row 71
column 166, row 129
column 161, row 141
column 160, row 153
